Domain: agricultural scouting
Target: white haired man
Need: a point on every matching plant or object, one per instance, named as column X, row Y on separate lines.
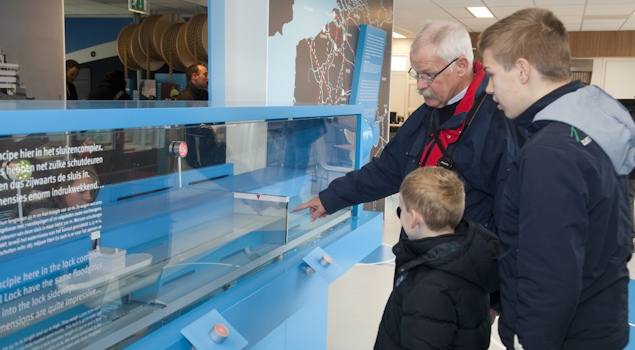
column 458, row 127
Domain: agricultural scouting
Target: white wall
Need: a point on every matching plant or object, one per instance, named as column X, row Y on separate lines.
column 615, row 75
column 246, row 30
column 402, row 99
column 397, row 92
column 33, row 37
column 401, row 47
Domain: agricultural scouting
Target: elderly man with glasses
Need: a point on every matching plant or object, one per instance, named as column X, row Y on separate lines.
column 459, row 127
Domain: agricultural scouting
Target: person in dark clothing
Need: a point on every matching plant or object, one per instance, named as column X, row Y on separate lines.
column 112, row 87
column 204, row 148
column 440, row 296
column 197, row 80
column 72, row 71
column 564, row 222
column 479, row 148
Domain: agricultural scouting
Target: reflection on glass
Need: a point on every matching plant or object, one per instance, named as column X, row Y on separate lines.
column 96, row 233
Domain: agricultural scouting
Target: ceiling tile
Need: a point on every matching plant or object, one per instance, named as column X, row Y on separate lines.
column 595, row 2
column 418, row 3
column 504, row 11
column 477, row 29
column 412, row 29
column 459, row 12
column 400, row 14
column 618, row 23
column 426, row 13
column 612, row 9
column 628, row 26
column 478, row 21
column 570, row 19
column 509, row 3
column 545, row 3
column 409, row 22
column 458, row 3
column 566, row 10
column 597, row 27
column 572, row 27
column 404, row 31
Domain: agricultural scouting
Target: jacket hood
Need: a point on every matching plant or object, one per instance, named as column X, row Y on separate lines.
column 602, row 118
column 473, row 258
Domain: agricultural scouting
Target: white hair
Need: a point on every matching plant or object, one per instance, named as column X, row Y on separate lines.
column 450, row 39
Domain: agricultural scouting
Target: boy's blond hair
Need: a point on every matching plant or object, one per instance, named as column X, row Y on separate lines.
column 437, row 194
column 534, row 34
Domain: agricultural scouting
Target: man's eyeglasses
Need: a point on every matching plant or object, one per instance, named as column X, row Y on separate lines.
column 428, row 78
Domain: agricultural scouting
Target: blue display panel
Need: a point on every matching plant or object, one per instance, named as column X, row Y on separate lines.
column 104, row 230
column 366, row 81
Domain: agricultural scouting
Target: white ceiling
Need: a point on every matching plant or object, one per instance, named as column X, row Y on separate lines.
column 577, row 15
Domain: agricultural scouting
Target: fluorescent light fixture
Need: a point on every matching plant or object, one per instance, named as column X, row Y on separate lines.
column 480, row 12
column 396, row 35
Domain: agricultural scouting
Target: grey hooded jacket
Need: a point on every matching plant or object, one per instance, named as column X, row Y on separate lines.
column 564, row 225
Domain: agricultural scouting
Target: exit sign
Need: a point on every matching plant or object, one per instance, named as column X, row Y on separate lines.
column 139, row 6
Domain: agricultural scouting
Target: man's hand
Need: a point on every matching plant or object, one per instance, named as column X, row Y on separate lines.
column 315, row 208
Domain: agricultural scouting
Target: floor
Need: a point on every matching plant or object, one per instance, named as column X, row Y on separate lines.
column 357, row 299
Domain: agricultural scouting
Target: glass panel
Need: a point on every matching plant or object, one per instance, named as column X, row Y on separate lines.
column 99, row 229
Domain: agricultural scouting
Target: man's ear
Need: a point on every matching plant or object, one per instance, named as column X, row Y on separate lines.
column 524, row 70
column 463, row 66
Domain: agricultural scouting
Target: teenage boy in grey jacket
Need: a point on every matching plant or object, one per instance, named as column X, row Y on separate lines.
column 563, row 220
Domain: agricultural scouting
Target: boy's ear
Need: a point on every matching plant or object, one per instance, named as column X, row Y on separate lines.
column 417, row 219
column 524, row 70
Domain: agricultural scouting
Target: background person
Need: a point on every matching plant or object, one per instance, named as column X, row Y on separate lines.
column 564, row 222
column 68, row 200
column 72, row 71
column 440, row 298
column 112, row 87
column 197, row 80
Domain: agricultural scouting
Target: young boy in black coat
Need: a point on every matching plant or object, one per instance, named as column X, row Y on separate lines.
column 447, row 268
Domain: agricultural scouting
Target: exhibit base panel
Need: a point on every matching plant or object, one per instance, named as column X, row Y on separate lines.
column 281, row 307
column 306, row 329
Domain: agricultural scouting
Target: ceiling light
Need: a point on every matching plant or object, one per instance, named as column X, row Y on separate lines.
column 480, row 12
column 396, row 35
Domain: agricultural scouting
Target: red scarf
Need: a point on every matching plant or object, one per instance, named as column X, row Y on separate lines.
column 451, row 136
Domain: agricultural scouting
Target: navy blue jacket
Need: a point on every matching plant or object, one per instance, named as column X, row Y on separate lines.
column 440, row 298
column 564, row 227
column 483, row 153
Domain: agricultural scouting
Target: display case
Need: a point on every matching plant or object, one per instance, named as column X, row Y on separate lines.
column 118, row 221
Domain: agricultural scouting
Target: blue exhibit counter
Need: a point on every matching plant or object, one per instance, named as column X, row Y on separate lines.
column 149, row 225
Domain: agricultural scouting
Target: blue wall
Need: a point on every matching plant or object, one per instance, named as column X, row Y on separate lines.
column 86, row 32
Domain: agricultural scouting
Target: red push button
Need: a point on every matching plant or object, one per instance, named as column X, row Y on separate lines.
column 326, row 260
column 219, row 333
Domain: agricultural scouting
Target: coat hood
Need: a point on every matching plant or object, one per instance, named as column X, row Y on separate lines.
column 602, row 118
column 473, row 257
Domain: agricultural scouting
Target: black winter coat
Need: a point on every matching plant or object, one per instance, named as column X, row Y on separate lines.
column 192, row 93
column 483, row 153
column 440, row 298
